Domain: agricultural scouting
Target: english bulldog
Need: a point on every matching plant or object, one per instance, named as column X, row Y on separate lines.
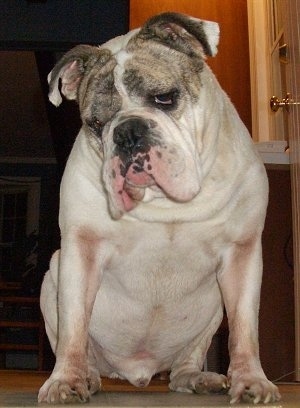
column 162, row 207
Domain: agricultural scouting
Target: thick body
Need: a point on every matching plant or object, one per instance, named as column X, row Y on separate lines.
column 161, row 221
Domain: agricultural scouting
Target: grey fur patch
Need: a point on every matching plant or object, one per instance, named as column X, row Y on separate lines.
column 73, row 68
column 144, row 77
column 164, row 28
column 99, row 97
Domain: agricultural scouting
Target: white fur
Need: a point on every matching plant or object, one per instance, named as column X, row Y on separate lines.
column 145, row 293
column 212, row 31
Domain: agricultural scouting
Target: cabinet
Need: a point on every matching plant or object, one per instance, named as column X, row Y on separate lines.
column 22, row 332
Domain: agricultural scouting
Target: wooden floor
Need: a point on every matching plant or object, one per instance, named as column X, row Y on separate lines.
column 19, row 389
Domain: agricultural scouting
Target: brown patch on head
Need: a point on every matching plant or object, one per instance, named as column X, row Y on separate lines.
column 177, row 31
column 98, row 97
column 180, row 44
column 179, row 76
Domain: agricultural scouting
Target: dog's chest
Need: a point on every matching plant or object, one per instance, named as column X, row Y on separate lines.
column 154, row 288
column 158, row 258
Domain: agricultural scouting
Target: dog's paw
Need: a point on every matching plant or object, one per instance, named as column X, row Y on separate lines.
column 212, row 383
column 253, row 389
column 60, row 389
column 201, row 383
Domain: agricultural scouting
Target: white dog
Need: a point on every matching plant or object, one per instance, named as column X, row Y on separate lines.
column 163, row 202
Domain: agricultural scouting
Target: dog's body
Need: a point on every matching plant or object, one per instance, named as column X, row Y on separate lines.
column 163, row 202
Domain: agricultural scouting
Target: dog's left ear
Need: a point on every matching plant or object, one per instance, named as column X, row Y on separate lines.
column 174, row 29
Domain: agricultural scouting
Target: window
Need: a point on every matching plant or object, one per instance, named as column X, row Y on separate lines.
column 19, row 214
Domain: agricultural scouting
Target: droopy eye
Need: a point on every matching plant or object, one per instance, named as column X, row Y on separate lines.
column 96, row 125
column 166, row 99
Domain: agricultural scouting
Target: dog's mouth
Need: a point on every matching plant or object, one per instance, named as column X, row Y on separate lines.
column 136, row 180
column 167, row 172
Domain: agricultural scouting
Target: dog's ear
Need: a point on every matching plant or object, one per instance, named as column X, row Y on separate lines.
column 175, row 29
column 70, row 69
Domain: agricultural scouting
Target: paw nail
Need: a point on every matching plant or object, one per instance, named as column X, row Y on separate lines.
column 257, row 399
column 234, row 400
column 268, row 398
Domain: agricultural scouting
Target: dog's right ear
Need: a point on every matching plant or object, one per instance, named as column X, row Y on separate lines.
column 71, row 69
column 183, row 33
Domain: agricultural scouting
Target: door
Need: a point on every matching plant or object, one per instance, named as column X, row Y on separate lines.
column 279, row 62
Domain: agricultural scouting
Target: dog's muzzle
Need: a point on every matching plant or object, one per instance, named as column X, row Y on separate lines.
column 132, row 137
column 145, row 156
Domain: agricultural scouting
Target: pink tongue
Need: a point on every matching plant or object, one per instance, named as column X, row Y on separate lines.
column 128, row 202
column 133, row 190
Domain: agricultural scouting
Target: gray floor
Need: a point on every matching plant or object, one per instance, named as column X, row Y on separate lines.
column 16, row 399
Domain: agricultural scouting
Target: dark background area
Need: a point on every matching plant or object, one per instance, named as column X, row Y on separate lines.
column 35, row 141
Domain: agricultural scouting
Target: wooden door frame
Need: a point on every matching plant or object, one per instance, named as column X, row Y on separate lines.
column 260, row 69
column 260, row 73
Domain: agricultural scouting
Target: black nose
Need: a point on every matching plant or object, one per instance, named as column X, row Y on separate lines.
column 130, row 135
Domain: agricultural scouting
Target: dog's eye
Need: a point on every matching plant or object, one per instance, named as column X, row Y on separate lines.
column 166, row 99
column 96, row 126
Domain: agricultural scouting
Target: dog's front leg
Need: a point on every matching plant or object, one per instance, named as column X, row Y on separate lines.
column 240, row 282
column 79, row 278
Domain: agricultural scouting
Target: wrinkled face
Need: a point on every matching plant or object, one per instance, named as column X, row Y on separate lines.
column 139, row 104
column 139, row 100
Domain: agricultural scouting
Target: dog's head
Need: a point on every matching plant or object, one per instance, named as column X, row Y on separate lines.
column 138, row 95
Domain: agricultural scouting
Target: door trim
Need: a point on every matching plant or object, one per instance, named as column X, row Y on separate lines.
column 260, row 72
